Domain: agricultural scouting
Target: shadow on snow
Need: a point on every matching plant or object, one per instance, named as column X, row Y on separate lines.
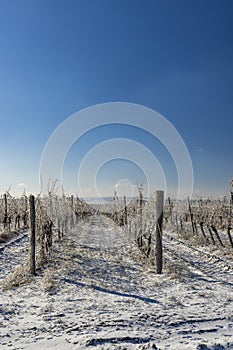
column 104, row 290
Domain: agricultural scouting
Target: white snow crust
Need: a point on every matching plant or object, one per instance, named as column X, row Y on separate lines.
column 97, row 292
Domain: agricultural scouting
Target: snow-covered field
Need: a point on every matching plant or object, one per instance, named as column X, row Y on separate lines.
column 98, row 293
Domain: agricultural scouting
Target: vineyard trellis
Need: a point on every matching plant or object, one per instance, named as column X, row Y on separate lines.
column 13, row 212
column 206, row 221
column 203, row 221
column 142, row 219
column 44, row 218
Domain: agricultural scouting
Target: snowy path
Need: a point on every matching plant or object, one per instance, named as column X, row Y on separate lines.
column 200, row 263
column 13, row 253
column 98, row 294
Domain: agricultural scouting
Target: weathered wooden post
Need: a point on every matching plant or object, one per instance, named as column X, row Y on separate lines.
column 181, row 223
column 125, row 212
column 170, row 208
column 231, row 196
column 71, row 215
column 159, row 199
column 25, row 215
column 229, row 235
column 32, row 250
column 191, row 215
column 217, row 235
column 139, row 238
column 211, row 234
column 177, row 225
column 5, row 211
column 203, row 231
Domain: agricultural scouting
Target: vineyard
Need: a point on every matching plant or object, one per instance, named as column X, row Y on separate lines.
column 141, row 274
column 201, row 222
column 41, row 221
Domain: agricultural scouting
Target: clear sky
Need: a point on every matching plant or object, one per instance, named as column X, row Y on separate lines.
column 58, row 57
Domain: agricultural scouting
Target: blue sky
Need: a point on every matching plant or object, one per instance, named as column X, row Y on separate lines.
column 58, row 57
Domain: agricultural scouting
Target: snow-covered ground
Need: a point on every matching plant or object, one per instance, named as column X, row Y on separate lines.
column 13, row 252
column 98, row 293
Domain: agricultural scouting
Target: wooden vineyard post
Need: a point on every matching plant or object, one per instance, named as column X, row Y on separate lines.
column 170, row 209
column 177, row 225
column 25, row 216
column 191, row 215
column 159, row 198
column 72, row 211
column 140, row 219
column 125, row 212
column 5, row 211
column 32, row 249
column 229, row 235
column 231, row 196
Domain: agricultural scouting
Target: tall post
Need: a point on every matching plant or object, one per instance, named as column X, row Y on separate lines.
column 125, row 216
column 140, row 219
column 32, row 250
column 191, row 215
column 72, row 211
column 231, row 198
column 25, row 216
column 170, row 208
column 5, row 204
column 5, row 211
column 159, row 199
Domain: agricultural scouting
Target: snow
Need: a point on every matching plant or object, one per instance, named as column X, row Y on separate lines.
column 13, row 252
column 98, row 292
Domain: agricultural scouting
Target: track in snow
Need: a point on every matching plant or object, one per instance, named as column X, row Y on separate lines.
column 199, row 262
column 13, row 253
column 104, row 297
